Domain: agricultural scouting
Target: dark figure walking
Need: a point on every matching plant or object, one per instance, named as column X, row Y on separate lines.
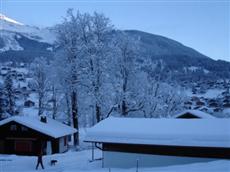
column 39, row 161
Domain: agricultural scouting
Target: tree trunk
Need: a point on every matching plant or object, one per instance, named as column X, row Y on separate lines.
column 124, row 108
column 54, row 101
column 68, row 109
column 40, row 111
column 75, row 117
column 98, row 113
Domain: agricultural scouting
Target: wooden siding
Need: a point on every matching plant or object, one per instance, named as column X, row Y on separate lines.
column 2, row 145
column 186, row 151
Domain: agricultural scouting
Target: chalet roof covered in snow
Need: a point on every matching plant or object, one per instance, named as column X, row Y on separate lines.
column 196, row 113
column 177, row 132
column 52, row 128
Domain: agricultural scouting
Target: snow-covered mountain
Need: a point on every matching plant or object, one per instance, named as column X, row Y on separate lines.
column 7, row 19
column 183, row 61
column 23, row 43
column 11, row 26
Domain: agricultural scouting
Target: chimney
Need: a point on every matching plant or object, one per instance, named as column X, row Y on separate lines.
column 43, row 119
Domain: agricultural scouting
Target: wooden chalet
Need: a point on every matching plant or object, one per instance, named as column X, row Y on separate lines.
column 29, row 103
column 194, row 114
column 126, row 142
column 28, row 135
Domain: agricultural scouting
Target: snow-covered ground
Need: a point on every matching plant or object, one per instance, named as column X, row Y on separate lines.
column 73, row 161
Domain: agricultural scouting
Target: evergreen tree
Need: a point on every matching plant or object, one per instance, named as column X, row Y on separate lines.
column 9, row 93
column 2, row 105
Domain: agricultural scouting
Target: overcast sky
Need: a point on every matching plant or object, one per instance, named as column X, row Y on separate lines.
column 202, row 25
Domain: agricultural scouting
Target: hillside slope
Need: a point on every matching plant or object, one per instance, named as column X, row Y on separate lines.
column 23, row 43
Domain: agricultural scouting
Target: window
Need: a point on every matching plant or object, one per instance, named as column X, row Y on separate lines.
column 24, row 128
column 13, row 127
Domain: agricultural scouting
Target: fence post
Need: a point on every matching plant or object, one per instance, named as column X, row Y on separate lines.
column 92, row 151
column 137, row 165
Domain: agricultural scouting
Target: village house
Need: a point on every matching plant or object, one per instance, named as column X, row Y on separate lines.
column 128, row 142
column 200, row 103
column 29, row 103
column 26, row 135
column 226, row 105
column 193, row 114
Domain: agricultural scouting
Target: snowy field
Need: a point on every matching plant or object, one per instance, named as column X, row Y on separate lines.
column 79, row 162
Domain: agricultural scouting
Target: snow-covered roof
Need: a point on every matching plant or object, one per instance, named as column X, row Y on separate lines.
column 180, row 132
column 52, row 128
column 197, row 113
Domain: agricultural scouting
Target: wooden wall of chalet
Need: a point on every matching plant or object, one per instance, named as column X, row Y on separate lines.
column 19, row 139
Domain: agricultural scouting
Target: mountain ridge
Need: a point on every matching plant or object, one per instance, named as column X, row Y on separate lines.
column 165, row 38
column 24, row 43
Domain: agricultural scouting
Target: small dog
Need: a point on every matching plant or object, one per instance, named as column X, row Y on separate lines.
column 53, row 162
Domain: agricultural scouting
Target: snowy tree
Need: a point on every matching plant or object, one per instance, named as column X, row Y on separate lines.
column 60, row 87
column 97, row 73
column 96, row 30
column 9, row 94
column 72, row 51
column 161, row 98
column 54, row 90
column 54, row 102
column 125, row 74
column 81, row 61
column 39, row 68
